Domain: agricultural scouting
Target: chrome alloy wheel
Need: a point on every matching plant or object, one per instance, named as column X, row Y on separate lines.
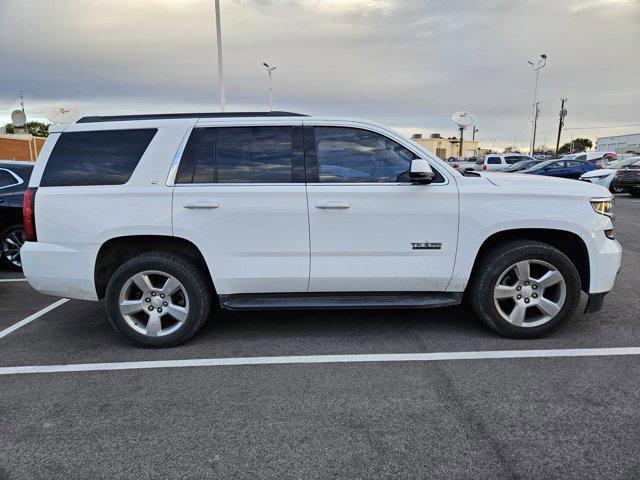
column 530, row 293
column 154, row 303
column 11, row 245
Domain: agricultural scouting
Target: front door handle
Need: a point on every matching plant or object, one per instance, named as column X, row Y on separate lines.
column 333, row 205
column 194, row 205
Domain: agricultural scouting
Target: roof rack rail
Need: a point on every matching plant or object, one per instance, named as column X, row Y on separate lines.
column 168, row 116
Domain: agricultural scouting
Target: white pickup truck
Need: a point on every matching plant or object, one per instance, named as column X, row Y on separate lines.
column 163, row 216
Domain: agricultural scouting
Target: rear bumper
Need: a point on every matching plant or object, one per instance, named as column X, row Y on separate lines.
column 63, row 270
column 629, row 184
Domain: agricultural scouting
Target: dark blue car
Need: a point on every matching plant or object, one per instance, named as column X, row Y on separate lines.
column 562, row 168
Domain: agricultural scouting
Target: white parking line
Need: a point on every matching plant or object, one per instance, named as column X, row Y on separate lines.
column 31, row 318
column 392, row 357
column 13, row 280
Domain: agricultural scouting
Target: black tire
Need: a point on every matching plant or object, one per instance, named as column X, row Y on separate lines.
column 492, row 265
column 188, row 273
column 14, row 232
column 613, row 189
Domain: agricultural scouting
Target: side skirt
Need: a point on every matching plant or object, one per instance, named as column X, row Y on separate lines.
column 339, row 301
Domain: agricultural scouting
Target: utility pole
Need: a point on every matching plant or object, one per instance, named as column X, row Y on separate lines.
column 536, row 68
column 220, row 66
column 461, row 139
column 563, row 113
column 269, row 70
column 535, row 126
column 474, row 133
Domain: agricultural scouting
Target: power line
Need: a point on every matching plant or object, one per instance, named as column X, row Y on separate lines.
column 605, row 126
column 592, row 128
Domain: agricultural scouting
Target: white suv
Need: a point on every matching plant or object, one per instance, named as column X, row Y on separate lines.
column 162, row 216
column 499, row 161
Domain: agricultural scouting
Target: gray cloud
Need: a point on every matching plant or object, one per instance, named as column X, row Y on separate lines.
column 409, row 64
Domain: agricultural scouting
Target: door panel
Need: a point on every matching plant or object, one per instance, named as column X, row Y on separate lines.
column 255, row 238
column 367, row 246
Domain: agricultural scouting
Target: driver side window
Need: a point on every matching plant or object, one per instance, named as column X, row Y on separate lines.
column 355, row 155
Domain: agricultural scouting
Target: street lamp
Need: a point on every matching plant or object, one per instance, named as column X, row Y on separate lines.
column 536, row 68
column 269, row 70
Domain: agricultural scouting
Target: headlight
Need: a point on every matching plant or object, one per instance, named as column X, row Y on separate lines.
column 603, row 206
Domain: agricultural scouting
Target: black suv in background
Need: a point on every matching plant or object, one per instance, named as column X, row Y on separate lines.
column 14, row 179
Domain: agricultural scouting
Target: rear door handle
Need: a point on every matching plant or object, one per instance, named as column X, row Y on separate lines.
column 333, row 205
column 194, row 205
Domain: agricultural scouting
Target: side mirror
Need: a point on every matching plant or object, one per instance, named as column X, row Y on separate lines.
column 421, row 172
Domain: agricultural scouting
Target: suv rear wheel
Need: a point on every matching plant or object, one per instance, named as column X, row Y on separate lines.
column 158, row 299
column 525, row 289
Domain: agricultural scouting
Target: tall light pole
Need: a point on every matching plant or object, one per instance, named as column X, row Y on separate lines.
column 220, row 66
column 269, row 70
column 536, row 68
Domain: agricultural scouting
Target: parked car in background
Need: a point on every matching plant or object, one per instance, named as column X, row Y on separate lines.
column 561, row 168
column 605, row 176
column 165, row 216
column 499, row 161
column 597, row 157
column 522, row 165
column 14, row 178
column 627, row 179
column 461, row 163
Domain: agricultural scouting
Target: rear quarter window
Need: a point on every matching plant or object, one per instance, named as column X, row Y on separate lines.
column 106, row 157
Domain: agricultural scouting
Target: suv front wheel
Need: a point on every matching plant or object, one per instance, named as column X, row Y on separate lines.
column 525, row 289
column 158, row 299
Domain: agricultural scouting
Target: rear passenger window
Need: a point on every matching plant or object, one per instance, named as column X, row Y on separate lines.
column 237, row 155
column 106, row 157
column 6, row 179
column 254, row 155
column 494, row 161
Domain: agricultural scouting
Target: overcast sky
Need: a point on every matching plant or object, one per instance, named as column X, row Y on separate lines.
column 409, row 64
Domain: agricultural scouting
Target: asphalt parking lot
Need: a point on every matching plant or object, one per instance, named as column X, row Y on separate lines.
column 557, row 417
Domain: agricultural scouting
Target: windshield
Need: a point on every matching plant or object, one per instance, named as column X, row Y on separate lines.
column 542, row 165
column 623, row 163
column 517, row 165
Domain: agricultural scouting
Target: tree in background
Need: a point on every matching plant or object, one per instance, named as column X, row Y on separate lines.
column 578, row 145
column 37, row 129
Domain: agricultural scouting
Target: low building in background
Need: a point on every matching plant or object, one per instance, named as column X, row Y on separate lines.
column 619, row 143
column 446, row 147
column 20, row 146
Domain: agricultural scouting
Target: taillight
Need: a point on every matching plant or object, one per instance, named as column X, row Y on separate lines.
column 455, row 165
column 637, row 174
column 484, row 167
column 28, row 214
column 614, row 156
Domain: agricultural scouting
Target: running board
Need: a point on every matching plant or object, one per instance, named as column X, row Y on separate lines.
column 326, row 301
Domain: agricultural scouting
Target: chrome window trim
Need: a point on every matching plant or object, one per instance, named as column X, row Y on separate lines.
column 19, row 180
column 173, row 171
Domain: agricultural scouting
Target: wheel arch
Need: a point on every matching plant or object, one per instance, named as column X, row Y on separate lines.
column 569, row 243
column 117, row 250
